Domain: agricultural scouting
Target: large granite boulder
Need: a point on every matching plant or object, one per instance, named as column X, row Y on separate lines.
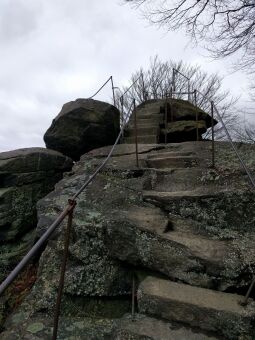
column 26, row 175
column 83, row 125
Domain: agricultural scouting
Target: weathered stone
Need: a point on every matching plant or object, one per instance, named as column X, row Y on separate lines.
column 178, row 109
column 117, row 231
column 26, row 175
column 171, row 121
column 83, row 125
column 198, row 307
column 70, row 328
column 146, row 328
column 182, row 131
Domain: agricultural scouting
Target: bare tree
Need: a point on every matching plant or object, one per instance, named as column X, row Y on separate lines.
column 157, row 80
column 228, row 26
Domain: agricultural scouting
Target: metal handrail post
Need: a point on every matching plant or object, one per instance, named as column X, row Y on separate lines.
column 63, row 271
column 122, row 115
column 136, row 139
column 213, row 143
column 113, row 91
column 188, row 89
column 133, row 297
column 173, row 75
column 245, row 300
column 195, row 99
column 165, row 121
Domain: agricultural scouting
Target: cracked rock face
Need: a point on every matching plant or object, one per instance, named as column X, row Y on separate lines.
column 26, row 175
column 147, row 220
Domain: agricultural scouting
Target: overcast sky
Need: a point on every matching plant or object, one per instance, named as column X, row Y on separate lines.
column 54, row 51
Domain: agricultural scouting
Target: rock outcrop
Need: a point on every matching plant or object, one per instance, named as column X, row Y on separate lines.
column 26, row 175
column 83, row 125
column 184, row 121
column 173, row 222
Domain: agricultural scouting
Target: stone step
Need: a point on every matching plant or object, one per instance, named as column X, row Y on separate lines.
column 171, row 162
column 147, row 111
column 179, row 179
column 143, row 127
column 144, row 236
column 198, row 307
column 165, row 196
column 169, row 154
column 39, row 327
column 143, row 327
column 144, row 117
column 145, row 139
column 142, row 131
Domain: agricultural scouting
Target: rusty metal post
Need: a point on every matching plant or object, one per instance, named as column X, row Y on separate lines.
column 113, row 92
column 144, row 98
column 213, row 143
column 133, row 297
column 165, row 121
column 245, row 301
column 136, row 139
column 188, row 89
column 174, row 89
column 122, row 116
column 195, row 99
column 63, row 269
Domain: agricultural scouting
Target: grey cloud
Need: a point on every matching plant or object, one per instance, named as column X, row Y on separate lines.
column 54, row 51
column 17, row 19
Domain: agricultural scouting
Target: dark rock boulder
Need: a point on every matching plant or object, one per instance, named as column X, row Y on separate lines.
column 83, row 125
column 26, row 175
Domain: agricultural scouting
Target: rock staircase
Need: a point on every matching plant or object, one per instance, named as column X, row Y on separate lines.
column 148, row 123
column 191, row 260
column 145, row 222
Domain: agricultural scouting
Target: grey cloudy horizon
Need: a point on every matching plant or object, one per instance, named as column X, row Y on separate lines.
column 59, row 50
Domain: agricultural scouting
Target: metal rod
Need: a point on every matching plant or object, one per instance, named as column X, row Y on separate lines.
column 212, row 122
column 37, row 246
column 113, row 91
column 143, row 87
column 174, row 80
column 141, row 75
column 165, row 119
column 101, row 88
column 195, row 98
column 245, row 301
column 11, row 277
column 62, row 273
column 234, row 148
column 136, row 139
column 133, row 297
column 188, row 89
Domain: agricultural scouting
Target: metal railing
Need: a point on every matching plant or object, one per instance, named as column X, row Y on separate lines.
column 69, row 209
column 110, row 79
column 66, row 212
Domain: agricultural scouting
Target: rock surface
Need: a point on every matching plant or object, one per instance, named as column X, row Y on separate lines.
column 83, row 125
column 197, row 307
column 173, row 217
column 26, row 175
column 142, row 327
column 181, row 124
